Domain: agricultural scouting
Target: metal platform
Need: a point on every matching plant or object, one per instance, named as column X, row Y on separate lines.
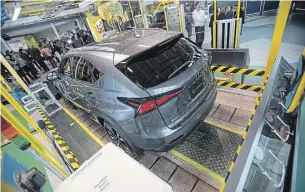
column 80, row 143
column 212, row 147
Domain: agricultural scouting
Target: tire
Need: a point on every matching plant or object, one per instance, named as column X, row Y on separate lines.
column 122, row 141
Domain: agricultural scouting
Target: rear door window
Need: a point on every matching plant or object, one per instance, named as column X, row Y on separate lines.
column 159, row 63
column 68, row 65
column 87, row 72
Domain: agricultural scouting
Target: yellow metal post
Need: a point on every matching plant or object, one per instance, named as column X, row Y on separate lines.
column 22, row 112
column 119, row 24
column 142, row 14
column 278, row 33
column 5, row 83
column 9, row 117
column 15, row 75
column 214, row 24
column 166, row 19
column 92, row 27
column 237, row 24
column 131, row 11
column 179, row 14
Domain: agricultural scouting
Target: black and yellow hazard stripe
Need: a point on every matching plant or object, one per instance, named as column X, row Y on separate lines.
column 240, row 71
column 239, row 86
column 62, row 144
column 243, row 136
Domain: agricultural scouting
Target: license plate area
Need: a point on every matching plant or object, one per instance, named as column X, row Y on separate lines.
column 196, row 87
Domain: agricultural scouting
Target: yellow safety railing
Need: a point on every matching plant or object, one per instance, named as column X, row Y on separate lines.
column 5, row 83
column 214, row 24
column 165, row 16
column 179, row 15
column 44, row 152
column 131, row 11
column 20, row 110
column 92, row 27
column 142, row 14
column 278, row 33
column 237, row 24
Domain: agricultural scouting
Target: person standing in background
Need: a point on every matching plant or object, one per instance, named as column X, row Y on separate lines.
column 28, row 61
column 199, row 19
column 212, row 28
column 17, row 68
column 23, row 66
column 90, row 38
column 222, row 14
column 78, row 42
column 54, row 49
column 229, row 13
column 47, row 55
column 242, row 15
column 35, row 53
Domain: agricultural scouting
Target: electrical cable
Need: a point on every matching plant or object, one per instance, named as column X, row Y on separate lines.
column 66, row 162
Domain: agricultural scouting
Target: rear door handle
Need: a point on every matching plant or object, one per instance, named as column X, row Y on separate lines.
column 89, row 93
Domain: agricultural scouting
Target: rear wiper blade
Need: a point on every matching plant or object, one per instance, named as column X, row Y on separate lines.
column 179, row 68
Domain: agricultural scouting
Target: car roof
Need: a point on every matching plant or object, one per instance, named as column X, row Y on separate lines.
column 129, row 42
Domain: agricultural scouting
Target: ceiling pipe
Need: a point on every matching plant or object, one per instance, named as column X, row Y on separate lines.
column 9, row 5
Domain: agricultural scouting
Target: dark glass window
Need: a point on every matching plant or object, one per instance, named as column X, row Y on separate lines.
column 159, row 63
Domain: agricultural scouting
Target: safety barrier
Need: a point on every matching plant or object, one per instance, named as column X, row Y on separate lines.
column 239, row 86
column 225, row 33
column 65, row 149
column 244, row 136
column 240, row 71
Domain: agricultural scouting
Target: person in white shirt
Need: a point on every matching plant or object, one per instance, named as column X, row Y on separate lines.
column 199, row 19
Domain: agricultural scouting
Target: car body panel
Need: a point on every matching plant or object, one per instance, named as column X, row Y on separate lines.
column 157, row 130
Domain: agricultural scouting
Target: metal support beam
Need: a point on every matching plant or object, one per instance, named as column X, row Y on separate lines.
column 3, row 81
column 78, row 24
column 179, row 14
column 55, row 31
column 214, row 24
column 166, row 19
column 94, row 32
column 278, row 33
column 22, row 112
column 142, row 14
column 237, row 25
column 131, row 11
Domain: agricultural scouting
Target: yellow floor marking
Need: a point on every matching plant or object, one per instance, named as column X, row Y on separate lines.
column 224, row 127
column 199, row 166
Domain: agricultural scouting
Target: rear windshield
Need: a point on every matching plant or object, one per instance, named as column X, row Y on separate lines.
column 155, row 65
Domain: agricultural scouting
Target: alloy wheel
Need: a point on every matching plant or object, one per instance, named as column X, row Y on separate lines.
column 117, row 139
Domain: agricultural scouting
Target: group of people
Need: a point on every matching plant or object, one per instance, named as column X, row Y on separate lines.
column 81, row 38
column 31, row 62
column 198, row 18
column 28, row 63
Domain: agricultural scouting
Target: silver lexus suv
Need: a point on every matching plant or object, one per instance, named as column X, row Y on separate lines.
column 149, row 88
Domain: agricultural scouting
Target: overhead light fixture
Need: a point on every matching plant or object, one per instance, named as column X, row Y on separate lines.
column 86, row 3
column 17, row 10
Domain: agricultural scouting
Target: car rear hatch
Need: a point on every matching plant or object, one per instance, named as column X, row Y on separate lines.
column 176, row 75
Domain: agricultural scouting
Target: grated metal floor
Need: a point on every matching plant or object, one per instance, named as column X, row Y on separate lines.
column 80, row 143
column 211, row 147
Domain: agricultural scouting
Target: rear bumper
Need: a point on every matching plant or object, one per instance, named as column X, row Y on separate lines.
column 181, row 133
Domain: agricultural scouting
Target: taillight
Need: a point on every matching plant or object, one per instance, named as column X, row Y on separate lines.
column 145, row 105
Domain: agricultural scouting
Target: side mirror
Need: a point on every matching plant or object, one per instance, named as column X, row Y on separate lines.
column 52, row 76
